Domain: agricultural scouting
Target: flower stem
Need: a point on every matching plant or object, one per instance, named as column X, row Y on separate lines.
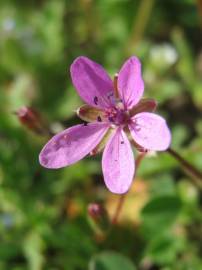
column 193, row 172
column 123, row 196
column 118, row 208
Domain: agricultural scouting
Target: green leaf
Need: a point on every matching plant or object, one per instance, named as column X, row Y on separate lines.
column 164, row 249
column 160, row 213
column 109, row 260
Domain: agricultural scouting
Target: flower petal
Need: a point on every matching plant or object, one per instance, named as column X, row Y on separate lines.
column 91, row 114
column 92, row 82
column 71, row 145
column 150, row 131
column 145, row 105
column 101, row 145
column 130, row 83
column 118, row 163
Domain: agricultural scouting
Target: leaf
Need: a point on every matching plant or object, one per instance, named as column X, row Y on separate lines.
column 160, row 213
column 164, row 249
column 109, row 260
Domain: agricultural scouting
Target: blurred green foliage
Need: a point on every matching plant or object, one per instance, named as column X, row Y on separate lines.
column 43, row 216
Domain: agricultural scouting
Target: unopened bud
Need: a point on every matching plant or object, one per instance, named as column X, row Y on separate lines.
column 98, row 217
column 95, row 210
column 32, row 119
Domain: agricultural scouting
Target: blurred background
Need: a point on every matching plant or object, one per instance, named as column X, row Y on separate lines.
column 44, row 222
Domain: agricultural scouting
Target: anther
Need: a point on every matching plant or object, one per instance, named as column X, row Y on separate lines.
column 111, row 119
column 110, row 95
column 96, row 100
column 99, row 119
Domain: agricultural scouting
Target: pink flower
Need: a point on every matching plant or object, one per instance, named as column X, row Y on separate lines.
column 116, row 116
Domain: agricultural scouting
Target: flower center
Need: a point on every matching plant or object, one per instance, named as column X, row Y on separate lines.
column 117, row 115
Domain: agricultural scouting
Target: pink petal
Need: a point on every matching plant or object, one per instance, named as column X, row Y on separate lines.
column 118, row 163
column 150, row 131
column 71, row 145
column 130, row 83
column 92, row 82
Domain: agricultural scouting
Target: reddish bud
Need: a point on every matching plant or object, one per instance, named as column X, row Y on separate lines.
column 95, row 210
column 32, row 119
column 98, row 217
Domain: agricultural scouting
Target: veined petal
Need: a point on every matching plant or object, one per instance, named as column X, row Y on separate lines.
column 91, row 114
column 150, row 131
column 71, row 145
column 145, row 105
column 92, row 82
column 118, row 163
column 130, row 83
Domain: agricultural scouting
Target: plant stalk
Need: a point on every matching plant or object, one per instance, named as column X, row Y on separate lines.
column 193, row 172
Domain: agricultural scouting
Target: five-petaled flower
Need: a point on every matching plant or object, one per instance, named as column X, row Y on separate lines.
column 114, row 115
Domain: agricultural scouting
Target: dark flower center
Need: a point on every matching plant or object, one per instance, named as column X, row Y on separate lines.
column 117, row 115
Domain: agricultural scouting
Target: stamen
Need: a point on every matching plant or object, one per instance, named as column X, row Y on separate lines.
column 111, row 119
column 85, row 123
column 99, row 119
column 96, row 100
column 109, row 95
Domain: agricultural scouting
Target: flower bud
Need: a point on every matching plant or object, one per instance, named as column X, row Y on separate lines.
column 98, row 218
column 32, row 119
